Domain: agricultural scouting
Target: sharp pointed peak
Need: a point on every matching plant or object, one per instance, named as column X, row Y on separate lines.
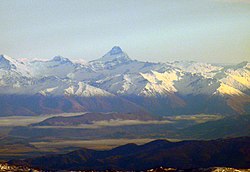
column 115, row 50
column 7, row 62
column 116, row 54
column 8, row 58
column 4, row 56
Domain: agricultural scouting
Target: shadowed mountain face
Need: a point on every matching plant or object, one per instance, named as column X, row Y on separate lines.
column 227, row 127
column 60, row 85
column 27, row 105
column 233, row 152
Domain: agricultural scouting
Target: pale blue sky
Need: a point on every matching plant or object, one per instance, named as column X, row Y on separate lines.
column 152, row 30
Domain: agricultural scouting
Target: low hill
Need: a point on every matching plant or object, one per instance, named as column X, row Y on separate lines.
column 231, row 152
column 90, row 118
column 233, row 126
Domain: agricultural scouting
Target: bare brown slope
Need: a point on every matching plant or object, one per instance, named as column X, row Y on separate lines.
column 37, row 104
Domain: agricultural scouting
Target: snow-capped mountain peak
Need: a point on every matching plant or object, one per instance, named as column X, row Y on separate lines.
column 7, row 63
column 115, row 57
column 115, row 53
column 60, row 59
column 58, row 66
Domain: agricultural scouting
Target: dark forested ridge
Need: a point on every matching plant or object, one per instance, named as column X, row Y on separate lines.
column 231, row 152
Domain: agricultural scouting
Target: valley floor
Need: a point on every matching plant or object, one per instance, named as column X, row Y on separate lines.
column 19, row 139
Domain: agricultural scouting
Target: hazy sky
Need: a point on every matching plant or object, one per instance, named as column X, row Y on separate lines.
column 152, row 30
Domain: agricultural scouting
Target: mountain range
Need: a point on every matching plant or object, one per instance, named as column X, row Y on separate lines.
column 116, row 83
column 230, row 152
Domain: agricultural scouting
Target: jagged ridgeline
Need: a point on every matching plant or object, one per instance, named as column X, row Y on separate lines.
column 117, row 83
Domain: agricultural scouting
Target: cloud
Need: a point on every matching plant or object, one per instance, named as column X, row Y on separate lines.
column 23, row 60
column 110, row 123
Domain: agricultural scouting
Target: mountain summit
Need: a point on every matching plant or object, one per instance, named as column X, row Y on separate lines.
column 115, row 54
column 60, row 58
column 115, row 50
column 10, row 64
column 5, row 63
column 115, row 57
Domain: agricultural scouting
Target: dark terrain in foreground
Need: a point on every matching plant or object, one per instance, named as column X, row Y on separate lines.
column 231, row 152
column 4, row 167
